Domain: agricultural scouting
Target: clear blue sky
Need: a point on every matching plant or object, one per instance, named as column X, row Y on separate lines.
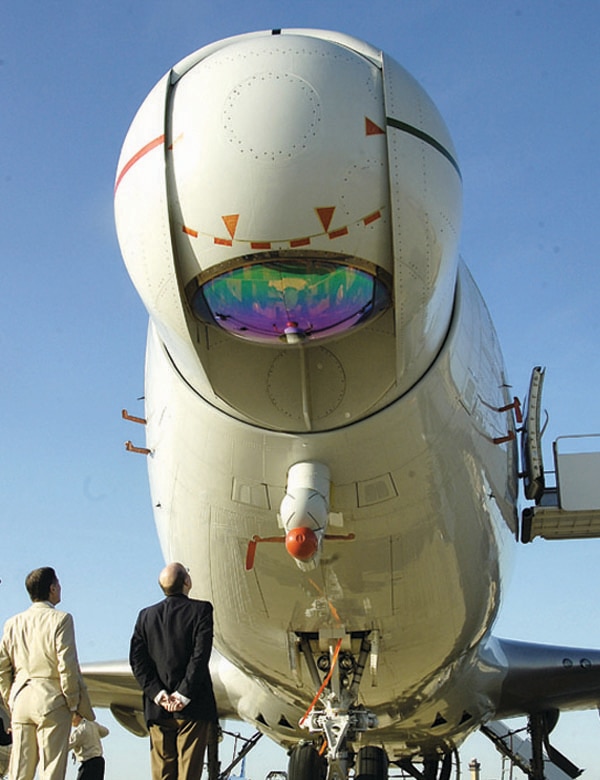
column 517, row 83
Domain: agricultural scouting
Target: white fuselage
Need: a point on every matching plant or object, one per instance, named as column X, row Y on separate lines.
column 288, row 206
column 421, row 484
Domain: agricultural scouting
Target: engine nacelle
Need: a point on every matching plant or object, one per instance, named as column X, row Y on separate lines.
column 288, row 207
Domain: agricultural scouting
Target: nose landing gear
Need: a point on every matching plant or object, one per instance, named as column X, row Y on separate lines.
column 339, row 719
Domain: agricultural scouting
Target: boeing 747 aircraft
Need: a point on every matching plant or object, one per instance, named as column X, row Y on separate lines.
column 331, row 437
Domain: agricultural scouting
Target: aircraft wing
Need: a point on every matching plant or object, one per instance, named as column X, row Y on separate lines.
column 537, row 681
column 541, row 677
column 522, row 678
column 111, row 685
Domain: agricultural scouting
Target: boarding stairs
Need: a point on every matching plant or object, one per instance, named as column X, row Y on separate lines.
column 520, row 752
column 571, row 508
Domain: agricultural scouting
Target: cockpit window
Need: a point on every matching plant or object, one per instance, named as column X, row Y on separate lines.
column 290, row 299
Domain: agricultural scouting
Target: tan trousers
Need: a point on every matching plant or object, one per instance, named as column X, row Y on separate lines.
column 44, row 741
column 177, row 748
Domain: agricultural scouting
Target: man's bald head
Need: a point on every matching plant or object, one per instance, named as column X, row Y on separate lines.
column 174, row 578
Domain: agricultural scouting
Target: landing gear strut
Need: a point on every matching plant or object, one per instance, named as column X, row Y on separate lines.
column 338, row 720
column 539, row 726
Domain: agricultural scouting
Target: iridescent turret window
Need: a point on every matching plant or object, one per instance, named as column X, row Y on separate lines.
column 290, row 298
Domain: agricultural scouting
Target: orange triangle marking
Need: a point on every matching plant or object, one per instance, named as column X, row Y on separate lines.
column 371, row 128
column 231, row 221
column 325, row 214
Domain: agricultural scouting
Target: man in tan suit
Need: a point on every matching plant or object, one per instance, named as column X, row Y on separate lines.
column 41, row 681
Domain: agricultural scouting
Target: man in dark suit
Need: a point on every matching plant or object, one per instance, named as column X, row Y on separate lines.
column 169, row 655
